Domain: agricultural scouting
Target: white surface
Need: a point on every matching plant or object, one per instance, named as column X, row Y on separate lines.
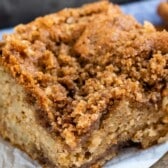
column 134, row 158
column 11, row 157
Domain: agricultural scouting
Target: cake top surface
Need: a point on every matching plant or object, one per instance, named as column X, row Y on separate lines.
column 76, row 63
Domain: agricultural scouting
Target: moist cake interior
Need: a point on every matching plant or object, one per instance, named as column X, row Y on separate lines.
column 82, row 83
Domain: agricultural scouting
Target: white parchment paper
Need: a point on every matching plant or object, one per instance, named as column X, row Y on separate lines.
column 11, row 157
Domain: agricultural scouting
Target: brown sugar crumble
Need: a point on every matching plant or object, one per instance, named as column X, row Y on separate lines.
column 76, row 63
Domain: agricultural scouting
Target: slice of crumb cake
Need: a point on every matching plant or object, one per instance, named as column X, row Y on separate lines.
column 80, row 84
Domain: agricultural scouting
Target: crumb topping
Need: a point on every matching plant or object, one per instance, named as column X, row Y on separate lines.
column 75, row 63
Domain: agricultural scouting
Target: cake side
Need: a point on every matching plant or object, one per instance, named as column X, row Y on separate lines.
column 18, row 124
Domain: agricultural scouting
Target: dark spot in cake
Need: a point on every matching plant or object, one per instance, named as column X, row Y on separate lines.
column 87, row 155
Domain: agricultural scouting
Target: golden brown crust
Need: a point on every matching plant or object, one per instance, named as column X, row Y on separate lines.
column 73, row 64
